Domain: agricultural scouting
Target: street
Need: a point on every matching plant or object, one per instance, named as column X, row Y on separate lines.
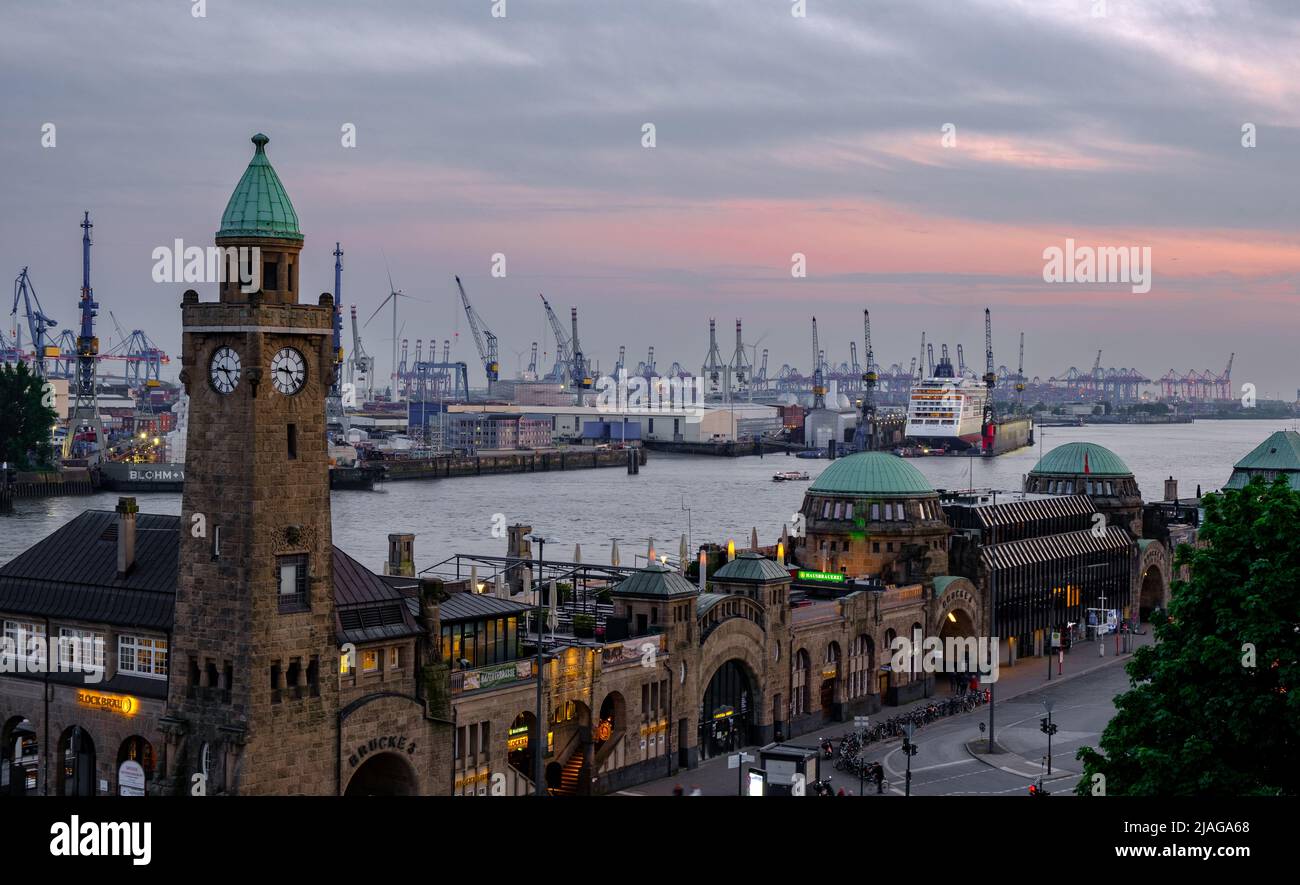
column 943, row 765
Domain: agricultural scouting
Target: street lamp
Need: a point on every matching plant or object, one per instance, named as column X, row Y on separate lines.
column 909, row 749
column 540, row 749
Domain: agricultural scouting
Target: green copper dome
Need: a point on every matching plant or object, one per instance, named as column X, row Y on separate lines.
column 872, row 473
column 259, row 207
column 751, row 566
column 1076, row 458
column 654, row 580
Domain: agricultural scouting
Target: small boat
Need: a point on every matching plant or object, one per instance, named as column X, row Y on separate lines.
column 809, row 453
column 790, row 476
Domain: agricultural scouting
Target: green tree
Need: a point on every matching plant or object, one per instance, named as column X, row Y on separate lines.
column 1205, row 716
column 25, row 421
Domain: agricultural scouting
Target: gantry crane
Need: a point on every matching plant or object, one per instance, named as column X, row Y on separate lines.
column 865, row 436
column 819, row 377
column 563, row 359
column 580, row 372
column 361, row 365
column 484, row 340
column 1020, row 377
column 990, row 379
column 38, row 323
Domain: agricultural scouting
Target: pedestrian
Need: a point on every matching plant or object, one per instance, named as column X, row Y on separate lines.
column 841, row 792
column 696, row 791
column 678, row 791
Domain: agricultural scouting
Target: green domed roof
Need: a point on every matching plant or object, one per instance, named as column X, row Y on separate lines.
column 872, row 473
column 655, row 580
column 751, row 566
column 1081, row 457
column 259, row 207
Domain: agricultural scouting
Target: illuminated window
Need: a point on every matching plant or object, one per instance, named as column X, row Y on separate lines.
column 369, row 660
column 143, row 656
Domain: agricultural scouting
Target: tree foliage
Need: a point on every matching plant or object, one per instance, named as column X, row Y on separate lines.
column 1203, row 716
column 25, row 420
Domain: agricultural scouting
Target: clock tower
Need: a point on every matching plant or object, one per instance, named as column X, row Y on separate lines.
column 253, row 692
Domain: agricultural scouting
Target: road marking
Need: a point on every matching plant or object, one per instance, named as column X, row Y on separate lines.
column 942, row 765
column 629, row 793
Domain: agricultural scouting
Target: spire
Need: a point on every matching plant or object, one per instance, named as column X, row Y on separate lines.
column 259, row 206
column 1085, row 462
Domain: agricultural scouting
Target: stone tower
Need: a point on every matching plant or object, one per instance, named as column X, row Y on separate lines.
column 253, row 695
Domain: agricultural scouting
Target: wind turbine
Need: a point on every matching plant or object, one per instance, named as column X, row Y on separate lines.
column 393, row 294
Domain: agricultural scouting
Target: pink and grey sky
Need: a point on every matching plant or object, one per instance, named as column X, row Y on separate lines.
column 775, row 135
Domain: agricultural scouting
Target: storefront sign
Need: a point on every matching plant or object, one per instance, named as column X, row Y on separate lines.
column 486, row 677
column 130, row 779
column 822, row 577
column 124, row 705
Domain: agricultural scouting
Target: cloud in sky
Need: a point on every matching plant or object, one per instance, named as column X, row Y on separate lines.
column 775, row 135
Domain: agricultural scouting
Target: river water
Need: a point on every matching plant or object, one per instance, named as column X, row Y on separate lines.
column 712, row 499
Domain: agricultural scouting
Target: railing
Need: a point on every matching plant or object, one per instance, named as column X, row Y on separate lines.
column 492, row 676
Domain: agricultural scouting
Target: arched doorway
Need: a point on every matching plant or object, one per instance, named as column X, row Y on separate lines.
column 77, row 773
column 830, row 676
column 20, row 758
column 727, row 711
column 959, row 646
column 137, row 750
column 1152, row 595
column 521, row 744
column 383, row 774
column 572, row 748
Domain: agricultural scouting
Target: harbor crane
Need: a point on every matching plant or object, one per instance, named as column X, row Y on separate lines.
column 1020, row 376
column 580, row 372
column 393, row 295
column 335, row 417
column 38, row 323
column 819, row 378
column 361, row 365
column 920, row 361
column 563, row 359
column 865, row 436
column 741, row 367
column 531, row 375
column 990, row 379
column 484, row 340
column 85, row 406
column 713, row 369
column 622, row 354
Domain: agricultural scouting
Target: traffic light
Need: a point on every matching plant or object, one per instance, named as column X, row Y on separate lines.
column 1042, row 725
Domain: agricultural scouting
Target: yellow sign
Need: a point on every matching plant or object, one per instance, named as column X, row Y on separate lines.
column 114, row 703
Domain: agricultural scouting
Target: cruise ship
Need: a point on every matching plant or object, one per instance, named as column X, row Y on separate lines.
column 946, row 412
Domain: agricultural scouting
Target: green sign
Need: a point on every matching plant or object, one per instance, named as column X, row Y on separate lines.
column 825, row 577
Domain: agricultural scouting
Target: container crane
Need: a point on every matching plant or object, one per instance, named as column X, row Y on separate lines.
column 532, row 362
column 38, row 323
column 741, row 368
column 1020, row 376
column 484, row 340
column 335, row 417
column 713, row 367
column 819, row 378
column 990, row 379
column 580, row 372
column 864, row 437
column 563, row 360
column 361, row 365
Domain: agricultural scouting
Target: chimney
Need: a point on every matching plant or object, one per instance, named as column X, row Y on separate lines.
column 1171, row 489
column 401, row 555
column 126, row 511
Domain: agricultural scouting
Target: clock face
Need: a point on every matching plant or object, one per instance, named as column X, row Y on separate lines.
column 224, row 369
column 288, row 371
